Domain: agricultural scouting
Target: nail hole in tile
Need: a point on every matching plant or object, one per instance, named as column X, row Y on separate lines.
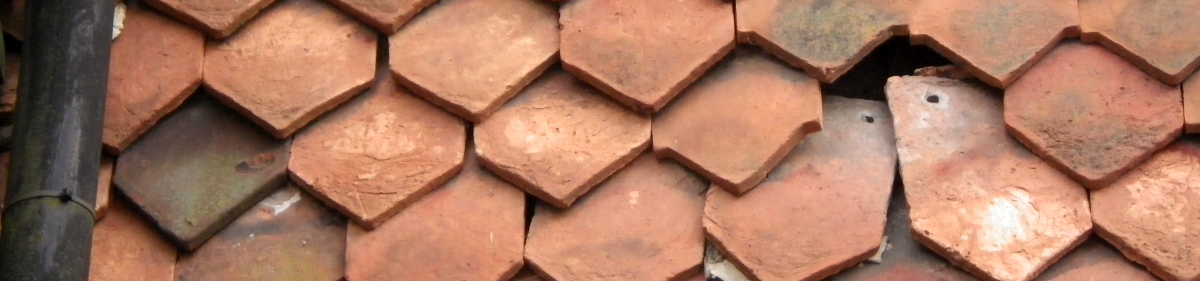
column 932, row 98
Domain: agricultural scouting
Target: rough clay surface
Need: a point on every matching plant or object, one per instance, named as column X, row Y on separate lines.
column 1095, row 260
column 740, row 120
column 839, row 178
column 1191, row 104
column 470, row 56
column 643, row 53
column 559, row 137
column 1091, row 114
column 1151, row 212
column 385, row 15
column 978, row 197
column 642, row 224
column 378, row 153
column 1158, row 36
column 217, row 18
column 277, row 75
column 125, row 248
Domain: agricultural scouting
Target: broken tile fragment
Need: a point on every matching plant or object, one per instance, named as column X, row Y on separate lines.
column 995, row 40
column 740, row 120
column 217, row 18
column 1095, row 260
column 275, row 73
column 1191, row 104
column 471, row 228
column 378, row 153
column 559, row 137
column 1091, row 114
column 103, row 187
column 839, row 178
column 385, row 15
column 643, row 53
column 1157, row 36
column 1150, row 213
column 978, row 197
column 125, row 247
column 155, row 65
column 641, row 224
column 287, row 236
column 825, row 38
column 200, row 168
column 449, row 54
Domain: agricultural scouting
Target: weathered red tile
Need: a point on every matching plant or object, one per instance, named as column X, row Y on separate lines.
column 1157, row 36
column 996, row 40
column 1091, row 114
column 471, row 228
column 1191, row 104
column 274, row 72
column 740, row 120
column 1150, row 214
column 470, row 56
column 217, row 18
column 839, row 178
column 825, row 38
column 1094, row 260
column 559, row 137
column 199, row 168
column 641, row 224
column 124, row 247
column 385, row 15
column 103, row 187
column 643, row 53
column 287, row 236
column 154, row 66
column 977, row 196
column 378, row 153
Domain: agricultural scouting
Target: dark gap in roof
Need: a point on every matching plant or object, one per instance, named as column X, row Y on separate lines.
column 530, row 203
column 893, row 58
column 11, row 44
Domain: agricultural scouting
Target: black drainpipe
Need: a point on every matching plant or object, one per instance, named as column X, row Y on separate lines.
column 48, row 220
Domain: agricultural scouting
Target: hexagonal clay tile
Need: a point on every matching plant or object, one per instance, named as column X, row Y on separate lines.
column 217, row 18
column 977, row 196
column 287, row 236
column 1160, row 37
column 450, row 55
column 155, row 65
column 1150, row 214
column 124, row 247
column 276, row 74
column 1095, row 260
column 559, row 137
column 471, row 228
column 378, row 153
column 1191, row 104
column 825, row 38
column 996, row 40
column 643, row 53
column 1091, row 114
column 386, row 15
column 641, row 224
column 840, row 178
column 199, row 168
column 733, row 136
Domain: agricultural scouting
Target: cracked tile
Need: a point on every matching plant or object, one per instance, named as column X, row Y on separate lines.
column 124, row 247
column 1157, row 36
column 385, row 15
column 217, row 18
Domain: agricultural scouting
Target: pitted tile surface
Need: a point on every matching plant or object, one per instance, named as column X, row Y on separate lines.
column 217, row 18
column 1160, row 37
column 385, row 15
column 125, row 247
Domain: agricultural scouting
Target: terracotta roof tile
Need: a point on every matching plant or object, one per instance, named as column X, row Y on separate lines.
column 643, row 53
column 559, row 137
column 470, row 56
column 200, row 168
column 734, row 137
column 125, row 247
column 385, row 15
column 103, row 187
column 1091, row 114
column 1157, row 36
column 1191, row 104
column 840, row 178
column 978, row 197
column 217, row 18
column 642, row 224
column 276, row 74
column 1095, row 260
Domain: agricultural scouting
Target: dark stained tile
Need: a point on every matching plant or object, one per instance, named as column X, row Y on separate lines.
column 217, row 18
column 276, row 73
column 644, row 223
column 200, row 168
column 155, row 64
column 470, row 56
column 378, row 153
column 559, row 137
column 1091, row 114
column 385, row 15
column 1095, row 260
column 1150, row 213
column 287, row 236
column 731, row 135
column 977, row 196
column 471, row 228
column 1160, row 37
column 996, row 40
column 839, row 179
column 1191, row 104
column 643, row 53
column 825, row 38
column 125, row 247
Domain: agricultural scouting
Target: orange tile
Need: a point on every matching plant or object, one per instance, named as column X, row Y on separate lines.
column 217, row 18
column 1191, row 104
column 103, row 186
column 1160, row 37
column 124, row 247
column 385, row 15
column 1095, row 260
